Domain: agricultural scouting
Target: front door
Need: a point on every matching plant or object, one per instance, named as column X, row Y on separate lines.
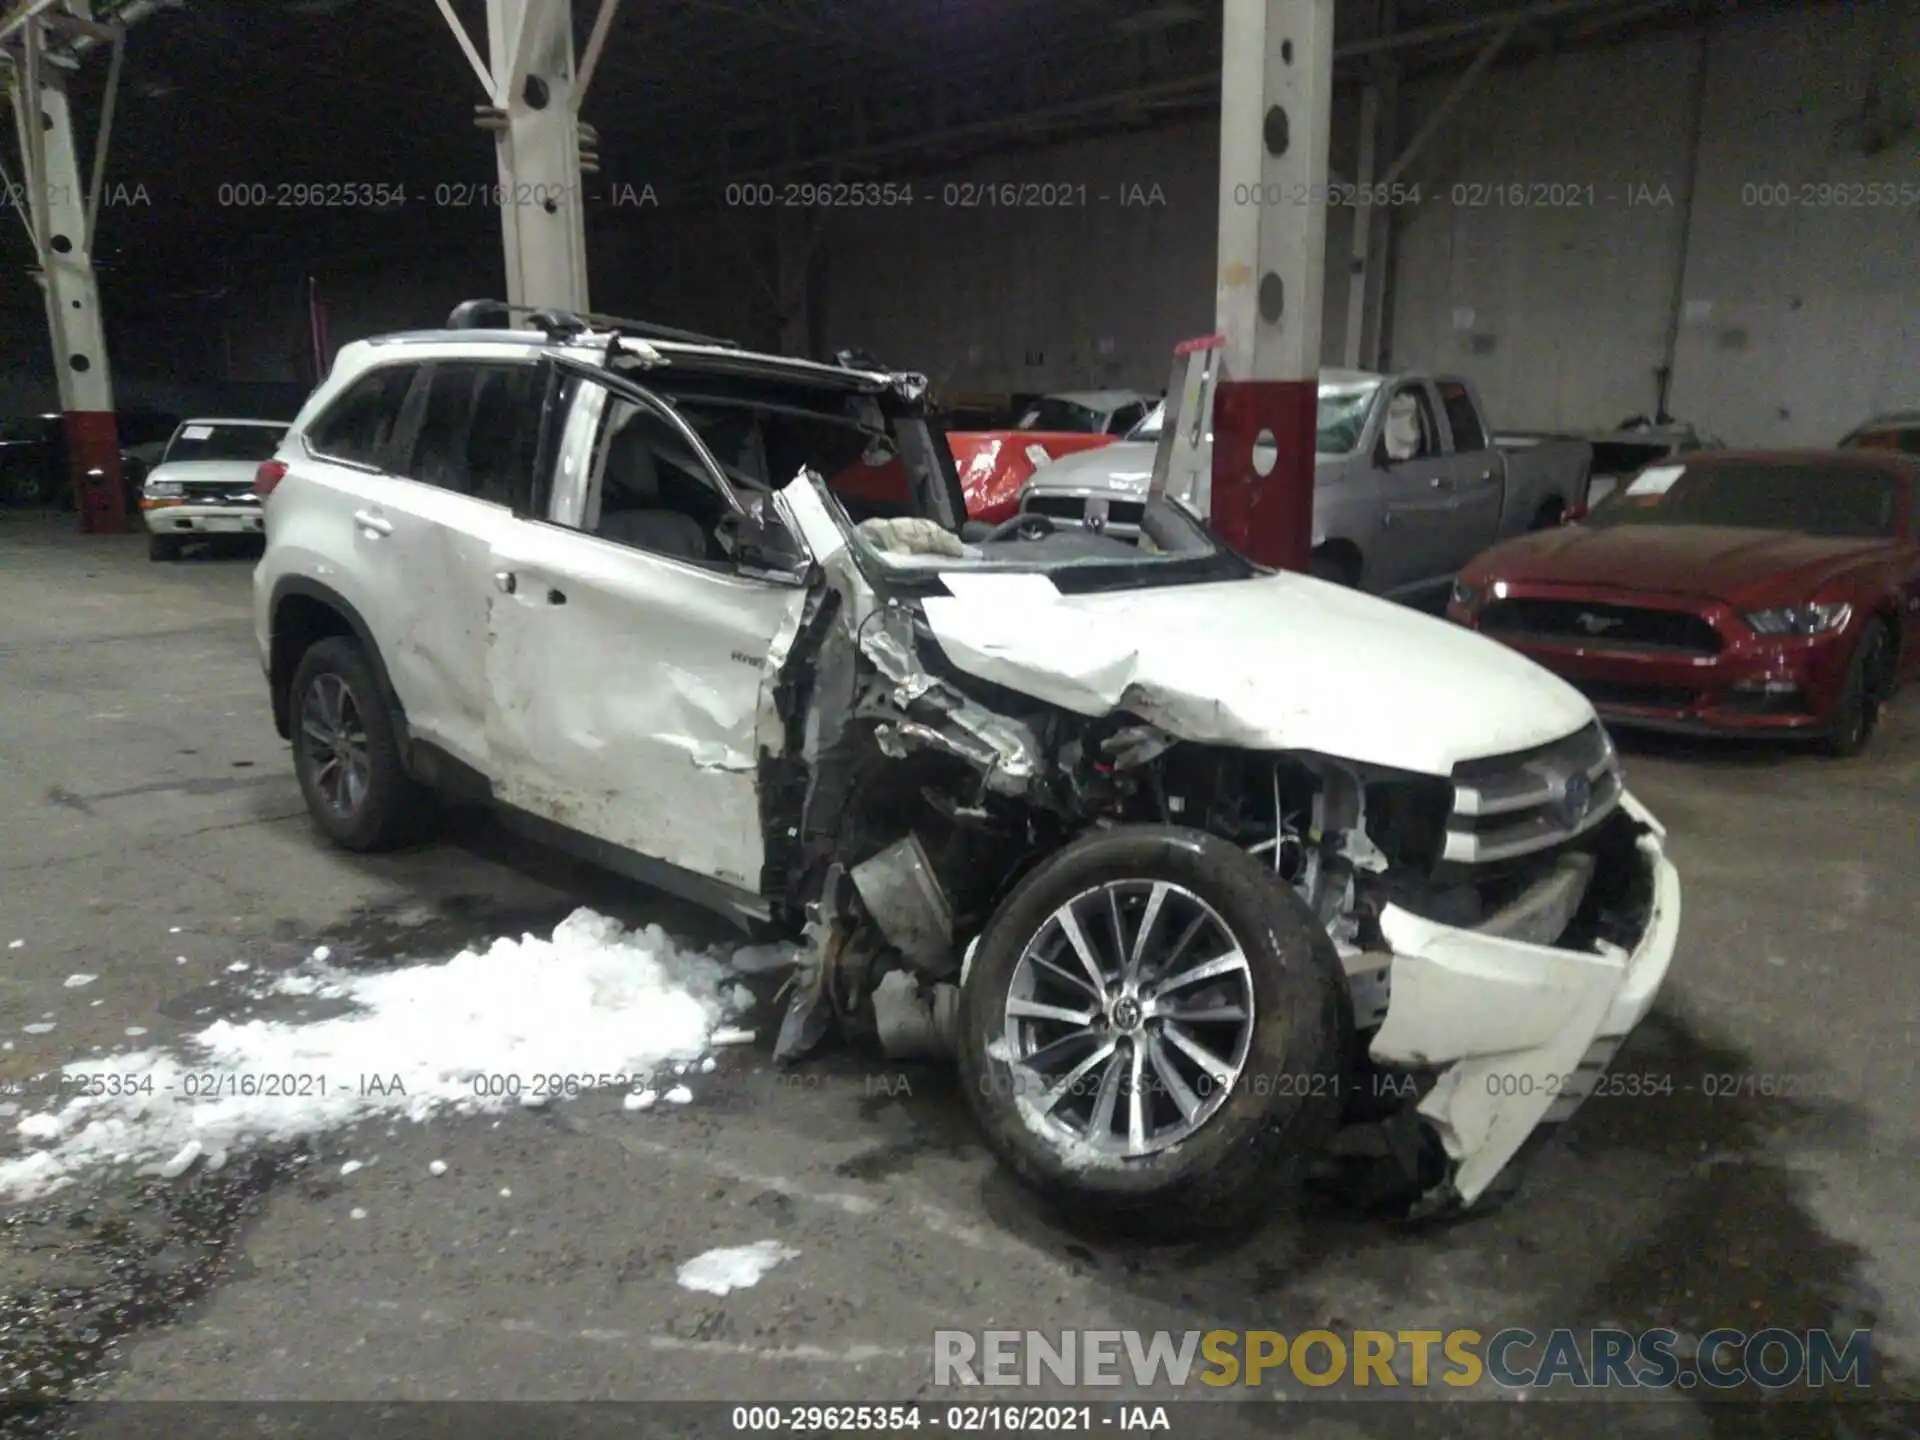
column 1478, row 474
column 1418, row 509
column 629, row 662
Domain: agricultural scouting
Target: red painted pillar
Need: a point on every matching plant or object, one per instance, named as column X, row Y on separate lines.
column 93, row 455
column 1267, row 516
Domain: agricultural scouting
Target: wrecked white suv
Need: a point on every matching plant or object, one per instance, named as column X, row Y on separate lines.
column 1202, row 870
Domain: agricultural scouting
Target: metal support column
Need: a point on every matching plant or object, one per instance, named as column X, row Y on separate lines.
column 1359, row 282
column 1276, row 96
column 1381, row 257
column 796, row 240
column 542, row 227
column 62, row 206
column 535, row 89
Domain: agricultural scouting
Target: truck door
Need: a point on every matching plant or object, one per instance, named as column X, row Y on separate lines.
column 1418, row 525
column 1476, row 469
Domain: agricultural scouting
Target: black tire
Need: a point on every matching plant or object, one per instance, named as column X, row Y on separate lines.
column 390, row 808
column 1333, row 567
column 163, row 547
column 1868, row 672
column 1286, row 1101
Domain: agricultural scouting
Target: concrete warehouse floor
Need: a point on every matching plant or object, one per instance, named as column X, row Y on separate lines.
column 144, row 788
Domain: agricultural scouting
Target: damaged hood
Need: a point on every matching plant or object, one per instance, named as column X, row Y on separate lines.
column 1282, row 662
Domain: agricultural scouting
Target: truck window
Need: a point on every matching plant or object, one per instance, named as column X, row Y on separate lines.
column 1463, row 416
column 1410, row 432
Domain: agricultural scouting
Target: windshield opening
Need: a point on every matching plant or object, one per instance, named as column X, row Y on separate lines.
column 1056, row 414
column 1341, row 418
column 1149, row 428
column 226, row 442
column 1835, row 502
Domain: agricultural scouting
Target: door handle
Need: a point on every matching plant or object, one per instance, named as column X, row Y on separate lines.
column 1440, row 482
column 367, row 520
column 505, row 582
column 556, row 597
column 1486, row 475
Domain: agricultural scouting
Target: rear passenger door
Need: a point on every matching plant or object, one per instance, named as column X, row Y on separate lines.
column 461, row 461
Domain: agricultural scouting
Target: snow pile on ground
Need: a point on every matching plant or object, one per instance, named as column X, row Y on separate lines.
column 734, row 1267
column 522, row 1021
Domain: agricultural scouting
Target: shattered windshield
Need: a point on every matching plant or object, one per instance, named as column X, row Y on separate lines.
column 1342, row 417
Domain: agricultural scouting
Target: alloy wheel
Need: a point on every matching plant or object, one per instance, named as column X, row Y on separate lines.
column 335, row 739
column 1129, row 1019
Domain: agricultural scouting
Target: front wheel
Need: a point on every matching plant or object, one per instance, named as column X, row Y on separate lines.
column 163, row 547
column 1151, row 1030
column 1861, row 694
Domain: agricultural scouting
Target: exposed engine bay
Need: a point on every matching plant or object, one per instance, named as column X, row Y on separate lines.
column 912, row 799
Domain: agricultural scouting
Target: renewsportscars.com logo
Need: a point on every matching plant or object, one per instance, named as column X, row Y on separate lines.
column 1513, row 1358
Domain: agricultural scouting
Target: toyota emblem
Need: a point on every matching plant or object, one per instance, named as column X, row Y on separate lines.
column 1576, row 797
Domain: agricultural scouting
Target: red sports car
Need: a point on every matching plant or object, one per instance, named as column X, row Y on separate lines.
column 1771, row 593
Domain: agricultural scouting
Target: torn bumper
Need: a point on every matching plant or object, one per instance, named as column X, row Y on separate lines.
column 1523, row 1031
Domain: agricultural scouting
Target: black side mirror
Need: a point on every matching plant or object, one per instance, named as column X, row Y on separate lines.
column 760, row 543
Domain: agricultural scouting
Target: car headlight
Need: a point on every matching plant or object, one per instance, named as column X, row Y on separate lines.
column 1801, row 619
column 163, row 490
column 1466, row 597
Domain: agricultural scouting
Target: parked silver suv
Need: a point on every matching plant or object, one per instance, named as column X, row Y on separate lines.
column 1183, row 857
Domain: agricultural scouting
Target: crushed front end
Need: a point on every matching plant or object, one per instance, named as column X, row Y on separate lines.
column 1506, row 979
column 1501, row 929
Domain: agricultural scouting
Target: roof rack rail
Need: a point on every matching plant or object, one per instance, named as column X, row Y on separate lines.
column 497, row 314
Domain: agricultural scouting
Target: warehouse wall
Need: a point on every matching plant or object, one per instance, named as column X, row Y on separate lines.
column 1804, row 318
column 1090, row 293
column 1795, row 321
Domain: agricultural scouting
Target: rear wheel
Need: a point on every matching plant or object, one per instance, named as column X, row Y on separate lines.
column 346, row 752
column 1866, row 686
column 1550, row 515
column 1151, row 1030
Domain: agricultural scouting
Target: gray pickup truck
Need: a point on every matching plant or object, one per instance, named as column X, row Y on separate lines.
column 1409, row 481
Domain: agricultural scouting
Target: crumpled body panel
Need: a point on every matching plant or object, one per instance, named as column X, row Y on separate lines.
column 1281, row 662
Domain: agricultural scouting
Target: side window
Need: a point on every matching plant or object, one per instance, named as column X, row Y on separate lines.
column 358, row 427
column 649, row 489
column 1410, row 432
column 1463, row 417
column 1125, row 418
column 479, row 431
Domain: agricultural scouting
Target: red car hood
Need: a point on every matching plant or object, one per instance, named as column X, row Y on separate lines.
column 993, row 466
column 1707, row 561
